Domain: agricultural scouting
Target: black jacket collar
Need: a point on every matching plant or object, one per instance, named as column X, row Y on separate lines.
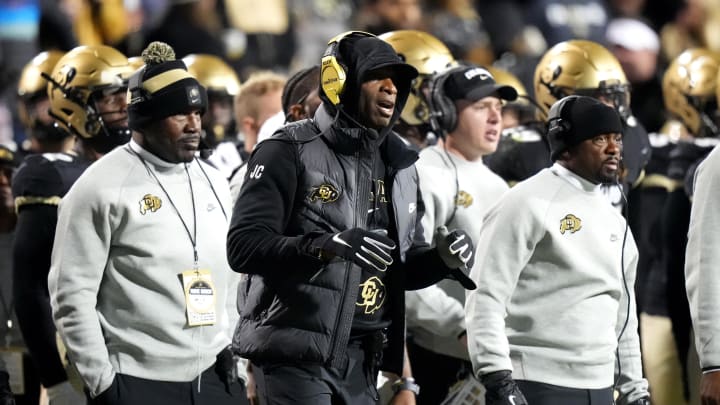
column 348, row 141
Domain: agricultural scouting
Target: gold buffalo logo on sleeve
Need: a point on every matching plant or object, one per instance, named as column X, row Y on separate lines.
column 570, row 223
column 463, row 199
column 150, row 203
column 326, row 193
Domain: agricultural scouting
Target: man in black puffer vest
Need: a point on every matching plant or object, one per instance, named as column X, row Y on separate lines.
column 327, row 230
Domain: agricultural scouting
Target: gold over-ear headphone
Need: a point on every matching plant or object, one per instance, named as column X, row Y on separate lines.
column 333, row 74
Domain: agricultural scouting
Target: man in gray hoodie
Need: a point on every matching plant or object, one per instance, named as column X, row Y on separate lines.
column 556, row 267
column 140, row 287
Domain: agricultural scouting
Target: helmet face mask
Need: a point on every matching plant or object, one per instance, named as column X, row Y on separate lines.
column 616, row 94
column 80, row 79
column 428, row 55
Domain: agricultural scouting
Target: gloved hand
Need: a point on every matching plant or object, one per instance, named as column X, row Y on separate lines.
column 6, row 395
column 641, row 401
column 502, row 389
column 225, row 368
column 458, row 253
column 370, row 250
column 64, row 394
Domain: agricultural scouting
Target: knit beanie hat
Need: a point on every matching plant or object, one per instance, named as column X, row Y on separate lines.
column 574, row 119
column 163, row 87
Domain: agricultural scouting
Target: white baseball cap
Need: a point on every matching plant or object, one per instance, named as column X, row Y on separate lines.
column 632, row 34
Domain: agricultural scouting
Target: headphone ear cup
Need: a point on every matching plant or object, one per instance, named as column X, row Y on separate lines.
column 449, row 112
column 443, row 109
column 558, row 126
column 332, row 74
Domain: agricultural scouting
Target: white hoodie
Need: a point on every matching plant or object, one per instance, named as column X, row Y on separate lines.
column 552, row 298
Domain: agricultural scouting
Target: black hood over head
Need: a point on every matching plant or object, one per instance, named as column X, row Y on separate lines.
column 359, row 56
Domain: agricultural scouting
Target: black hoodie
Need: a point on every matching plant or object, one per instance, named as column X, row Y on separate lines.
column 294, row 307
column 359, row 56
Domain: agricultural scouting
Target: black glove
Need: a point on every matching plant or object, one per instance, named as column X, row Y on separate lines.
column 641, row 401
column 225, row 368
column 502, row 389
column 368, row 249
column 458, row 253
column 6, row 396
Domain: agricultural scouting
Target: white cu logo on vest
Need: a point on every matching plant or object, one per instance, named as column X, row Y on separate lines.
column 257, row 171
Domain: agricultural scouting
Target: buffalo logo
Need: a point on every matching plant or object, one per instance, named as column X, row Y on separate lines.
column 570, row 223
column 372, row 295
column 150, row 203
column 463, row 199
column 326, row 193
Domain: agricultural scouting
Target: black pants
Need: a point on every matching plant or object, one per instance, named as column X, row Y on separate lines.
column 545, row 394
column 129, row 390
column 435, row 373
column 354, row 384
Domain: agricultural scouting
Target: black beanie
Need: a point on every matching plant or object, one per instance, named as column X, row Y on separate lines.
column 163, row 87
column 574, row 119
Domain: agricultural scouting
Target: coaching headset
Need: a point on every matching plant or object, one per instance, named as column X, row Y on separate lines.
column 559, row 126
column 333, row 73
column 443, row 116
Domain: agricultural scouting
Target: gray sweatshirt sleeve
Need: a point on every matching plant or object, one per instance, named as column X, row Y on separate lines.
column 431, row 308
column 701, row 262
column 503, row 251
column 82, row 244
column 630, row 382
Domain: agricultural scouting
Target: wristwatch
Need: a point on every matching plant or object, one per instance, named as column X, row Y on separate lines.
column 406, row 383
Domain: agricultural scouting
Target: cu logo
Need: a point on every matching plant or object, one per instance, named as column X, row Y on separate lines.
column 257, row 171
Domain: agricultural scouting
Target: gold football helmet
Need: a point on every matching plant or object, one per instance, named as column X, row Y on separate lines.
column 222, row 84
column 213, row 73
column 523, row 108
column 581, row 67
column 81, row 74
column 32, row 84
column 136, row 62
column 428, row 55
column 31, row 79
column 689, row 90
column 502, row 76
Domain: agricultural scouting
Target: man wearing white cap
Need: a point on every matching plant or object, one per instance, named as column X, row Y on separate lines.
column 636, row 46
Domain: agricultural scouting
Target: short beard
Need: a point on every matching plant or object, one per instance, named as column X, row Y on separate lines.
column 604, row 179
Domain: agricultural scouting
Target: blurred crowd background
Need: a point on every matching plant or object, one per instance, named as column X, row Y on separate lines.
column 287, row 35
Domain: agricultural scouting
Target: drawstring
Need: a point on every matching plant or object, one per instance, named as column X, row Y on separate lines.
column 199, row 359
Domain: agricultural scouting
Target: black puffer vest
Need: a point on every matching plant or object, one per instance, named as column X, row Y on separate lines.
column 298, row 318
